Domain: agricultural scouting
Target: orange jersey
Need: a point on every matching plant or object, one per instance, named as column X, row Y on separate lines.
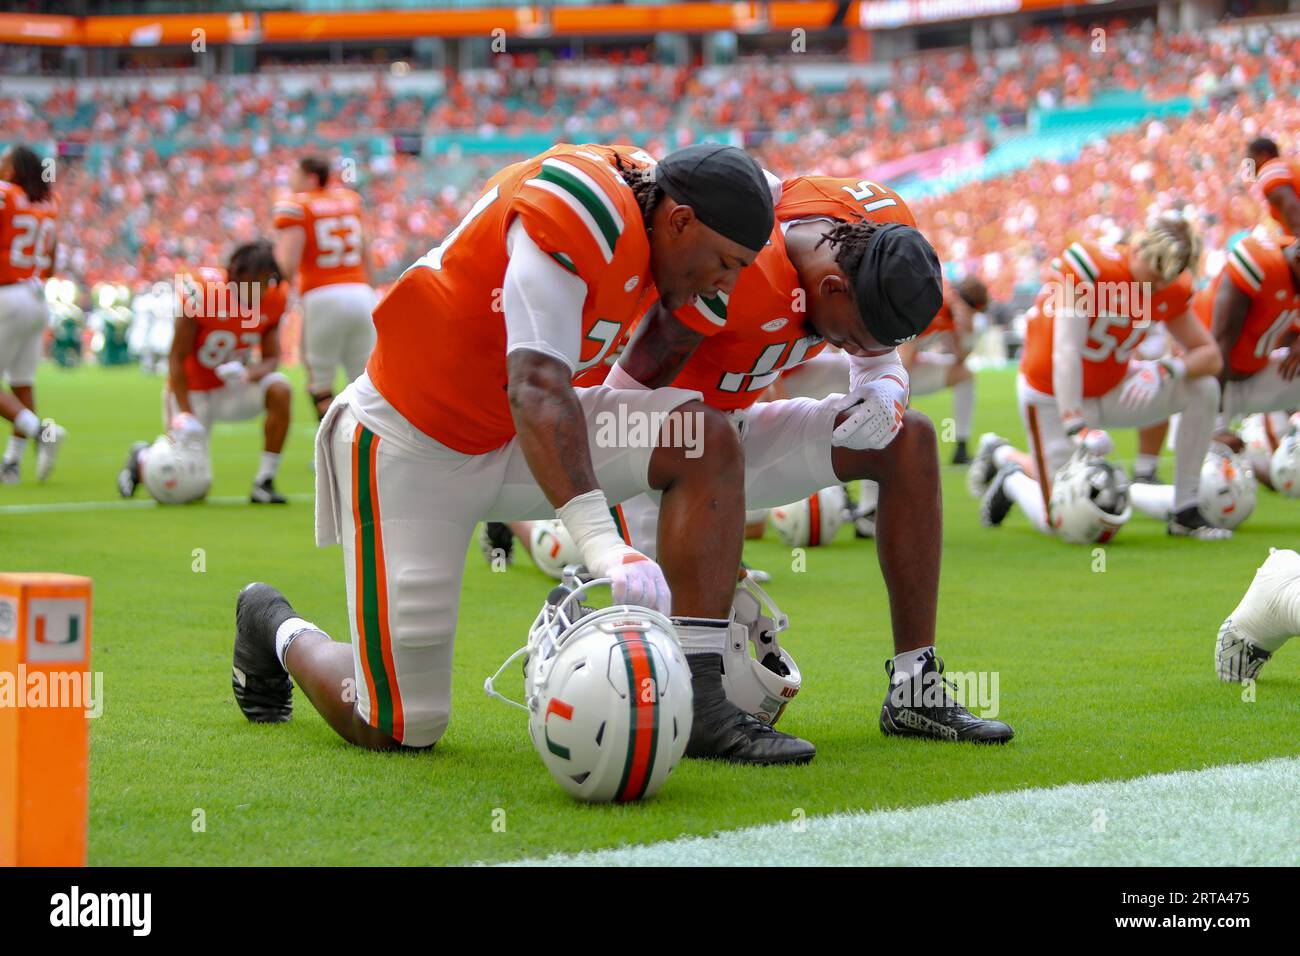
column 1095, row 280
column 1273, row 175
column 27, row 234
column 943, row 320
column 331, row 223
column 440, row 353
column 226, row 333
column 1258, row 268
column 761, row 330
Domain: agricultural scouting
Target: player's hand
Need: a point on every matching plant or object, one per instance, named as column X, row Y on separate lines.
column 1142, row 384
column 873, row 421
column 185, row 425
column 230, row 372
column 635, row 579
column 1094, row 441
column 1290, row 366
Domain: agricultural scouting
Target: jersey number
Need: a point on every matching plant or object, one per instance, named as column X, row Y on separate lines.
column 338, row 242
column 222, row 346
column 871, row 195
column 606, row 333
column 33, row 242
column 1107, row 345
column 768, row 368
column 1268, row 341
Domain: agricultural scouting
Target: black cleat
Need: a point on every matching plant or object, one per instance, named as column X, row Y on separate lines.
column 960, row 455
column 1190, row 523
column 923, row 707
column 1146, row 478
column 128, row 479
column 262, row 688
column 722, row 731
column 495, row 537
column 264, row 493
column 996, row 504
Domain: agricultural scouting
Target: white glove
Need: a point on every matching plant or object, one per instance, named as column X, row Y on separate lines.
column 184, row 425
column 1142, row 384
column 874, row 421
column 634, row 579
column 1094, row 440
column 232, row 372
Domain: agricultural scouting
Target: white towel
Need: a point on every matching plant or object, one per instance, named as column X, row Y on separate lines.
column 328, row 518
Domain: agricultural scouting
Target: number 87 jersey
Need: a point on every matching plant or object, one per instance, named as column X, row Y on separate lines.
column 1094, row 281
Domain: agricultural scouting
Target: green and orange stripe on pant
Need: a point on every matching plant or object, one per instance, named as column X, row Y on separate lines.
column 374, row 638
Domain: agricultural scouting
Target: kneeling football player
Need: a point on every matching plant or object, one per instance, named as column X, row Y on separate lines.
column 468, row 412
column 223, row 316
column 844, row 265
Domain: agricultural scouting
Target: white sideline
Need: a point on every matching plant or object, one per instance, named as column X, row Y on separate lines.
column 1238, row 814
column 52, row 507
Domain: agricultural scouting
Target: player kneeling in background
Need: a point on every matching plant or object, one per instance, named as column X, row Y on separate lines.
column 937, row 358
column 1076, row 378
column 1266, row 618
column 222, row 316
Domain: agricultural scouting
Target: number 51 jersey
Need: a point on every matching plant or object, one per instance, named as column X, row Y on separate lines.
column 761, row 330
column 440, row 352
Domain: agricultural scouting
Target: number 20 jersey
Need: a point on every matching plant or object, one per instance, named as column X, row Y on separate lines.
column 761, row 329
column 440, row 350
column 1095, row 280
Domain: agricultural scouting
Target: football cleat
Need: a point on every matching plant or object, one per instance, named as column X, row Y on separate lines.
column 1146, row 478
column 264, row 493
column 923, row 707
column 722, row 731
column 496, row 536
column 960, row 456
column 1265, row 619
column 10, row 472
column 128, row 479
column 982, row 469
column 263, row 690
column 47, row 447
column 1190, row 523
column 996, row 504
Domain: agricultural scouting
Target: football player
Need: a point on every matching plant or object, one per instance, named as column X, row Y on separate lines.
column 844, row 265
column 28, row 227
column 321, row 243
column 1277, row 183
column 223, row 316
column 937, row 359
column 467, row 412
column 1076, row 378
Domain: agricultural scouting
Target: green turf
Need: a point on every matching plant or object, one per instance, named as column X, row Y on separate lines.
column 1103, row 675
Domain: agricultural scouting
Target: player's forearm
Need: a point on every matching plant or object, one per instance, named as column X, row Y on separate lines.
column 659, row 348
column 1067, row 367
column 886, row 369
column 1204, row 360
column 551, row 425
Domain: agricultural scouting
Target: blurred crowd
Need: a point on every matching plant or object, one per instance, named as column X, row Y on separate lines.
column 134, row 211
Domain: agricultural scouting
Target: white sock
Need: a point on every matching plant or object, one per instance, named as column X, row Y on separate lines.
column 285, row 634
column 908, row 665
column 1003, row 455
column 27, row 423
column 963, row 406
column 1145, row 464
column 16, row 447
column 702, row 635
column 1028, row 494
column 270, row 465
column 1154, row 501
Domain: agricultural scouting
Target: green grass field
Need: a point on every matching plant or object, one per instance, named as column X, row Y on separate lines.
column 1104, row 675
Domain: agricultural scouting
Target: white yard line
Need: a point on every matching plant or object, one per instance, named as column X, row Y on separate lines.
column 119, row 504
column 1222, row 816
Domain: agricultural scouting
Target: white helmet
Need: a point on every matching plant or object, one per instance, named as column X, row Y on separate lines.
column 1284, row 468
column 1227, row 493
column 1090, row 501
column 608, row 695
column 812, row 521
column 763, row 682
column 176, row 472
column 552, row 547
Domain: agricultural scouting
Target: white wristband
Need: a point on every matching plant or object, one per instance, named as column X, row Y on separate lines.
column 618, row 378
column 587, row 519
column 1176, row 366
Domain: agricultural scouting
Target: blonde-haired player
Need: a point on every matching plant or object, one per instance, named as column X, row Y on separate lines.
column 1076, row 378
